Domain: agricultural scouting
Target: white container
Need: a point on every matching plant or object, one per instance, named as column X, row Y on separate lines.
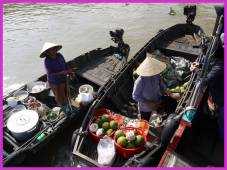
column 85, row 97
column 86, row 88
column 12, row 101
column 23, row 124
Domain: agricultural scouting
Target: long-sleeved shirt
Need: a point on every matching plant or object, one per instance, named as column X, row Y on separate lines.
column 215, row 80
column 54, row 66
column 215, row 76
column 148, row 89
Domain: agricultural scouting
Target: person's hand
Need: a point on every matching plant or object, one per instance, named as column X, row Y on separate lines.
column 194, row 65
column 72, row 75
column 69, row 72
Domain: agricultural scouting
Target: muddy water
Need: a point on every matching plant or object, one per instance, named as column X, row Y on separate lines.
column 79, row 28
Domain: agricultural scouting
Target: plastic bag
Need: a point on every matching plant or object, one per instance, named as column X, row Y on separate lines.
column 106, row 151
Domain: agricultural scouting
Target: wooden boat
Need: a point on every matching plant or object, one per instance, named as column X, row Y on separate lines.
column 94, row 68
column 179, row 40
column 197, row 142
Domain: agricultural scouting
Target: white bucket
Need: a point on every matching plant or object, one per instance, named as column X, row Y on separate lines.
column 85, row 97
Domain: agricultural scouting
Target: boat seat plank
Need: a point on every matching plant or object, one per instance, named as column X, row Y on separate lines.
column 101, row 70
column 181, row 47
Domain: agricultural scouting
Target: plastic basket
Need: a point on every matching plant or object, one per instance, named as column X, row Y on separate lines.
column 119, row 118
column 95, row 137
column 141, row 124
column 126, row 152
column 97, row 114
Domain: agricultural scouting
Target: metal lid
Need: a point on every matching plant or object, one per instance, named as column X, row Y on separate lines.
column 36, row 87
column 22, row 121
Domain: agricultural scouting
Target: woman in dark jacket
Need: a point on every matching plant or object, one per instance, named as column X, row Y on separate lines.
column 57, row 70
column 215, row 83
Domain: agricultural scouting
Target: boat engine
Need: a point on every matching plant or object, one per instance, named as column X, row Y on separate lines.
column 190, row 12
column 122, row 48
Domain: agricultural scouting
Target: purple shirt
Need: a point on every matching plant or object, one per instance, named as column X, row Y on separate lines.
column 54, row 66
column 147, row 89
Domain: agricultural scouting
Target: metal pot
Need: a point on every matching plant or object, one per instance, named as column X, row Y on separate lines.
column 39, row 89
column 36, row 87
column 21, row 95
column 23, row 124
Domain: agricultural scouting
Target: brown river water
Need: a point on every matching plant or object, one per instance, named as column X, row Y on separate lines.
column 79, row 28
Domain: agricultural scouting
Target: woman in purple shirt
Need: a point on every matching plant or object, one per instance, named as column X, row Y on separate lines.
column 148, row 87
column 57, row 70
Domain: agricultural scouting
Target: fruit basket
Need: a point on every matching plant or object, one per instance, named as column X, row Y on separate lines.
column 129, row 141
column 102, row 124
column 141, row 124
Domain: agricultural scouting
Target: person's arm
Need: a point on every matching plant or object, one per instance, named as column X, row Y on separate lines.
column 137, row 90
column 51, row 72
column 197, row 65
column 68, row 71
column 50, row 69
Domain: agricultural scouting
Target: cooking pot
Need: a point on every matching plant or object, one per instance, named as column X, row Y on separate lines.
column 39, row 89
column 23, row 124
column 36, row 87
column 21, row 95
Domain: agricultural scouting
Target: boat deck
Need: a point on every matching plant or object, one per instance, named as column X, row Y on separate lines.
column 186, row 45
column 101, row 70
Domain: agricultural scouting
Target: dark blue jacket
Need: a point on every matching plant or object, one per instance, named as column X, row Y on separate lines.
column 215, row 80
column 54, row 66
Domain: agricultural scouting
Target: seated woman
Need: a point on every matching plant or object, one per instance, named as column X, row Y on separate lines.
column 215, row 81
column 57, row 70
column 149, row 88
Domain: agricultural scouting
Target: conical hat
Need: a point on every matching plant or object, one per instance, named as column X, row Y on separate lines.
column 47, row 46
column 150, row 66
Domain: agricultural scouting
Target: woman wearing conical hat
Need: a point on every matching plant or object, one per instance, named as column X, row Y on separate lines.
column 148, row 87
column 57, row 70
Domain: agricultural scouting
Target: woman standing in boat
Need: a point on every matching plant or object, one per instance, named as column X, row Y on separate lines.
column 148, row 87
column 57, row 71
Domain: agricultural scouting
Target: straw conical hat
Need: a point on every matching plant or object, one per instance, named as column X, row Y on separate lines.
column 150, row 66
column 47, row 46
